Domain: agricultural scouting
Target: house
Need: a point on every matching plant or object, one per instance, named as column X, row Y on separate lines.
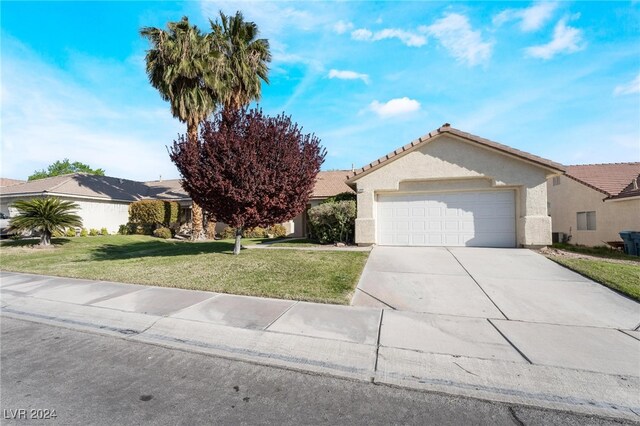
column 9, row 182
column 451, row 188
column 104, row 201
column 592, row 203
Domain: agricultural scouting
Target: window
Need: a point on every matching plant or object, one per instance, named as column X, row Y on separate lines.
column 586, row 221
column 556, row 180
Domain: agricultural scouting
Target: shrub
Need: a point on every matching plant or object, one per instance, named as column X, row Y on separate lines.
column 333, row 222
column 277, row 231
column 162, row 233
column 93, row 232
column 84, row 232
column 228, row 233
column 124, row 229
column 57, row 233
column 153, row 213
column 343, row 196
column 104, row 231
column 71, row 232
column 256, row 232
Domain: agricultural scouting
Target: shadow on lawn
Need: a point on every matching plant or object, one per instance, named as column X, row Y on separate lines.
column 159, row 249
column 28, row 242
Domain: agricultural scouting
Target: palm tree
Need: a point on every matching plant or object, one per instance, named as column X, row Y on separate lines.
column 245, row 60
column 184, row 68
column 45, row 215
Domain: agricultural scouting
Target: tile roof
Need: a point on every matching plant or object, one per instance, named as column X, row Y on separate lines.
column 111, row 188
column 9, row 182
column 331, row 183
column 613, row 179
column 82, row 185
column 447, row 129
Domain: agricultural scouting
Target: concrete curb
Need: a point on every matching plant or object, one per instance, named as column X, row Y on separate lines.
column 550, row 387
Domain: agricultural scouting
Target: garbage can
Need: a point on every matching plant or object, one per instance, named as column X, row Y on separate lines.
column 631, row 242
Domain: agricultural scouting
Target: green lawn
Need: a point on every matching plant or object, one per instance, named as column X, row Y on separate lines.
column 317, row 276
column 600, row 251
column 619, row 276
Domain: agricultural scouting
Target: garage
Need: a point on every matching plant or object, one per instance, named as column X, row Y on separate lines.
column 472, row 219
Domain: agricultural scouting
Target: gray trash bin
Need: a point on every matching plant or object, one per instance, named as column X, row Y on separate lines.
column 631, row 242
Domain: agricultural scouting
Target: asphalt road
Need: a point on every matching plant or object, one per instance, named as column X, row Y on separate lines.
column 93, row 379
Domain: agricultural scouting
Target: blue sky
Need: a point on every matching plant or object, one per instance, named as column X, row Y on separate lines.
column 560, row 80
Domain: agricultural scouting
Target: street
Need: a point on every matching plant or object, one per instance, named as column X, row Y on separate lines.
column 94, row 379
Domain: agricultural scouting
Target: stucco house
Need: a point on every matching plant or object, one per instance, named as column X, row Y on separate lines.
column 451, row 188
column 592, row 203
column 104, row 201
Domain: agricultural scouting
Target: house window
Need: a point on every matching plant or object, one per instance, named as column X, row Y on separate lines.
column 586, row 221
column 556, row 180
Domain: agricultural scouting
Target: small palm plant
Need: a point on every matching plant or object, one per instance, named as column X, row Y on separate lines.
column 45, row 215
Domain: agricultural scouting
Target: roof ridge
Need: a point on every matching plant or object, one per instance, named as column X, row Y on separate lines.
column 605, row 164
column 69, row 177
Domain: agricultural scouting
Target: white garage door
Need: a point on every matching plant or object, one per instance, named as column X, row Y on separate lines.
column 474, row 219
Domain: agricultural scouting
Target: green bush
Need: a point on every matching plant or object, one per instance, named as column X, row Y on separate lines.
column 104, row 231
column 278, row 231
column 71, row 232
column 162, row 233
column 93, row 232
column 343, row 196
column 228, row 233
column 84, row 232
column 333, row 222
column 57, row 233
column 124, row 229
column 150, row 214
column 256, row 232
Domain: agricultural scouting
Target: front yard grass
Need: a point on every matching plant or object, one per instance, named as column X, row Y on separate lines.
column 611, row 268
column 316, row 276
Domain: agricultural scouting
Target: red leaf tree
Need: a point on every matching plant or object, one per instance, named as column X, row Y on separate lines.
column 249, row 169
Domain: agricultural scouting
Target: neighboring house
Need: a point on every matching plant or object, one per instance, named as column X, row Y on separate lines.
column 9, row 182
column 104, row 201
column 451, row 188
column 592, row 203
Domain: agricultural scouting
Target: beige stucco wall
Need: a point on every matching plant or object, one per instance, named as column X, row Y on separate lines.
column 449, row 164
column 570, row 197
column 96, row 214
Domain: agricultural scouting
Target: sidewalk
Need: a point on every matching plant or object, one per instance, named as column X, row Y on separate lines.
column 583, row 369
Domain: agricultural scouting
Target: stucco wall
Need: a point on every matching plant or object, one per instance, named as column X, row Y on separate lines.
column 570, row 197
column 96, row 214
column 451, row 164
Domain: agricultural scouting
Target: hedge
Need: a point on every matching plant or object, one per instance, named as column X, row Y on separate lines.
column 154, row 212
column 333, row 222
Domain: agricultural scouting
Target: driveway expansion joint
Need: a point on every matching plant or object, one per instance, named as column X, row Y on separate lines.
column 373, row 297
column 477, row 283
column 510, row 342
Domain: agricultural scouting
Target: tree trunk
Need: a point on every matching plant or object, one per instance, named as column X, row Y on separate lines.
column 236, row 248
column 197, row 233
column 45, row 238
column 211, row 229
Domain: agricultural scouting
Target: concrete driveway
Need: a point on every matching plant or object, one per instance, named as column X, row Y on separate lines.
column 500, row 284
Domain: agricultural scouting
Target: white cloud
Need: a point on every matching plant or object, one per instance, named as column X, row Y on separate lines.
column 531, row 19
column 395, row 107
column 406, row 37
column 348, row 75
column 630, row 88
column 342, row 27
column 565, row 39
column 455, row 33
column 361, row 34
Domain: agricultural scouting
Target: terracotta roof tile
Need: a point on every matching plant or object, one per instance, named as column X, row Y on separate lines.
column 446, row 128
column 9, row 182
column 612, row 179
column 331, row 183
